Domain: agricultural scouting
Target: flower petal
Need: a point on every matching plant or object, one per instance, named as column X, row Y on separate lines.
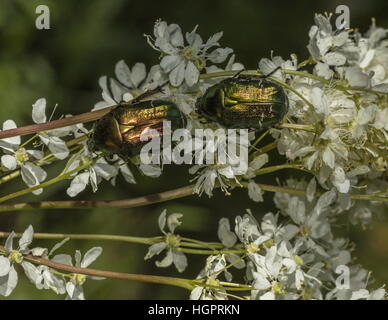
column 177, row 75
column 90, row 256
column 123, row 74
column 5, row 266
column 155, row 249
column 9, row 162
column 191, row 74
column 26, row 238
column 173, row 221
column 10, row 144
column 39, row 111
column 8, row 283
column 78, row 184
column 138, row 73
column 180, row 260
column 227, row 237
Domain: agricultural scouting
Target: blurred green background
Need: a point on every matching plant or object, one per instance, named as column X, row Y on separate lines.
column 85, row 41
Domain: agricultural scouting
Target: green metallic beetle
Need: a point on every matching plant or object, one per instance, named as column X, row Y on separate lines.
column 244, row 101
column 118, row 132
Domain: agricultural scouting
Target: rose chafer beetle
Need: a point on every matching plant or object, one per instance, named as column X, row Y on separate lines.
column 118, row 132
column 244, row 101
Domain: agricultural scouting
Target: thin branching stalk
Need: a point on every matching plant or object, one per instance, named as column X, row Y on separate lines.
column 190, row 246
column 282, row 167
column 125, row 203
column 99, row 237
column 88, row 204
column 153, row 198
column 178, row 282
column 331, row 83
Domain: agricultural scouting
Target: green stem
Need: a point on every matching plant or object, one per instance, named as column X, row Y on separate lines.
column 220, row 249
column 49, row 182
column 105, row 237
column 201, row 244
column 264, row 149
column 288, row 87
column 304, row 127
column 178, row 282
column 281, row 167
column 262, row 136
column 28, row 141
column 47, row 158
column 229, row 286
column 330, row 83
column 370, row 197
column 209, row 252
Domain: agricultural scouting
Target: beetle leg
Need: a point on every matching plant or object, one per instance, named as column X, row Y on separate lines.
column 239, row 72
column 158, row 89
column 271, row 73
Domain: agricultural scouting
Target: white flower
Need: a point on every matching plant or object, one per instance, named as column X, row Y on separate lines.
column 227, row 166
column 227, row 237
column 131, row 83
column 74, row 287
column 100, row 170
column 15, row 155
column 50, row 138
column 293, row 262
column 273, row 230
column 254, row 190
column 267, row 66
column 215, row 265
column 49, row 279
column 312, row 224
column 330, row 46
column 8, row 274
column 184, row 61
column 267, row 274
column 231, row 65
column 381, row 120
column 256, row 235
column 170, row 244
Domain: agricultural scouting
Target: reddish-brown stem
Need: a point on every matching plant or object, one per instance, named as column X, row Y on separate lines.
column 34, row 128
column 87, row 204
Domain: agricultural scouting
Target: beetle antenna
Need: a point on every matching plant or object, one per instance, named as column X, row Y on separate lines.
column 271, row 73
column 239, row 72
column 148, row 93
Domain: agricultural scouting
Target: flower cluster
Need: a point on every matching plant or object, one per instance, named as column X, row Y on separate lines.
column 335, row 130
column 291, row 255
column 182, row 61
column 171, row 243
column 41, row 276
column 347, row 117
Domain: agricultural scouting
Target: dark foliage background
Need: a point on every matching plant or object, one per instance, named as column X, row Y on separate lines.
column 85, row 41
